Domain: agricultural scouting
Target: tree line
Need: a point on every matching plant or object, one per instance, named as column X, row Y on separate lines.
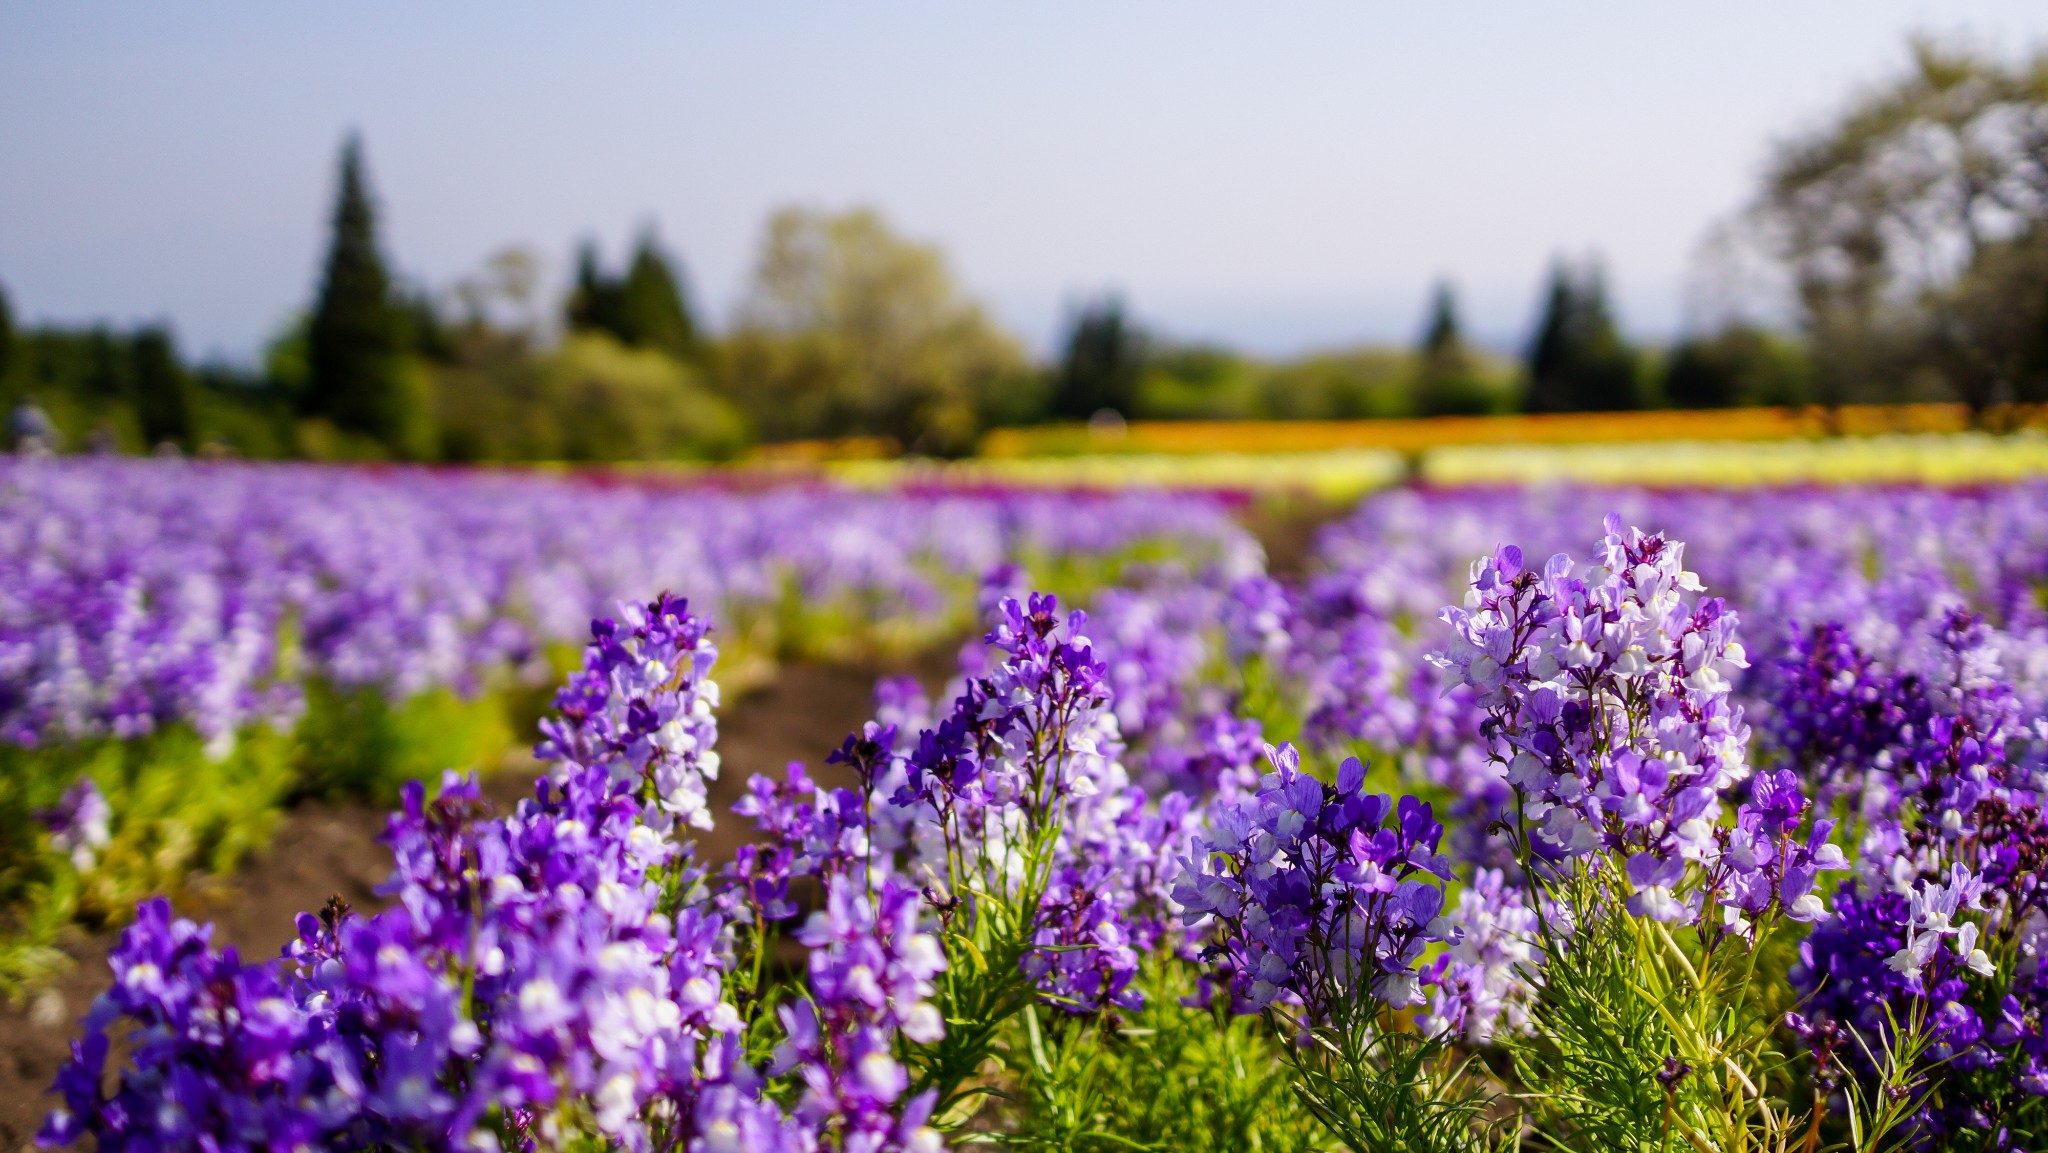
column 1904, row 243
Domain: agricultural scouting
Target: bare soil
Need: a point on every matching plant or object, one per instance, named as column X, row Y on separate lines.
column 323, row 850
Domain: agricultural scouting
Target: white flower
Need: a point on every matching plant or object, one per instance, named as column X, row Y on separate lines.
column 1977, row 959
column 541, row 1004
column 1705, row 680
column 1808, row 908
column 923, row 1024
column 615, row 1102
column 1401, row 991
column 1908, row 962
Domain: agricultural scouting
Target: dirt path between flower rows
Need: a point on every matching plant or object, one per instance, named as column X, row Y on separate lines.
column 323, row 850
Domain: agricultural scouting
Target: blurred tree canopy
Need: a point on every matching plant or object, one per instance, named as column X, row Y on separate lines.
column 162, row 389
column 1101, row 363
column 108, row 390
column 1578, row 361
column 1914, row 233
column 1448, row 379
column 590, row 398
column 6, row 332
column 647, row 307
column 1738, row 366
column 849, row 329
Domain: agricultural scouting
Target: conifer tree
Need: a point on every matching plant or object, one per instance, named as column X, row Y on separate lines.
column 163, row 397
column 1102, row 364
column 1578, row 363
column 1446, row 376
column 6, row 333
column 653, row 308
column 596, row 301
column 109, row 365
column 645, row 308
column 1443, row 339
column 354, row 341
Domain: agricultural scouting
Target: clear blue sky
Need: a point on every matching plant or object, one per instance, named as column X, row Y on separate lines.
column 1280, row 176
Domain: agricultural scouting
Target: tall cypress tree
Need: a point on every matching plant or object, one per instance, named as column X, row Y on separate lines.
column 1578, row 362
column 163, row 397
column 6, row 333
column 353, row 344
column 652, row 308
column 1103, row 362
column 646, row 308
column 594, row 303
column 1446, row 379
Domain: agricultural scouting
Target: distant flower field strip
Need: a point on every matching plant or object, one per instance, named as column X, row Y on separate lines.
column 141, row 593
column 1592, row 857
column 1941, row 459
column 1282, row 459
column 204, row 641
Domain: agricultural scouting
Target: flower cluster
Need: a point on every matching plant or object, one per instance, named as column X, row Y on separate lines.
column 871, row 971
column 1015, row 792
column 1948, row 873
column 1607, row 696
column 641, row 708
column 138, row 594
column 78, row 823
column 569, row 974
column 1483, row 982
column 216, row 1050
column 533, row 978
column 1314, row 899
column 1024, row 770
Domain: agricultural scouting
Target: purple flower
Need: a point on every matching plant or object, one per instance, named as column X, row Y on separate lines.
column 78, row 823
column 1312, row 898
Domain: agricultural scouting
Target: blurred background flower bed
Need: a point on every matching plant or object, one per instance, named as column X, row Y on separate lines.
column 210, row 641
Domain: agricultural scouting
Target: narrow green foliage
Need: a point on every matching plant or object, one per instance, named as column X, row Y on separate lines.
column 986, row 936
column 1874, row 1117
column 1650, row 1039
column 1174, row 1077
column 1383, row 1090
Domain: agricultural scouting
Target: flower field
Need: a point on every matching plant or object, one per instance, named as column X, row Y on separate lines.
column 1562, row 817
column 206, row 643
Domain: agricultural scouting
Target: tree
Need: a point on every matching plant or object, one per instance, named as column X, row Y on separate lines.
column 163, row 392
column 1577, row 362
column 354, row 343
column 647, row 308
column 1447, row 375
column 1739, row 365
column 849, row 329
column 1102, row 363
column 421, row 329
column 653, row 307
column 6, row 333
column 1906, row 228
column 597, row 302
